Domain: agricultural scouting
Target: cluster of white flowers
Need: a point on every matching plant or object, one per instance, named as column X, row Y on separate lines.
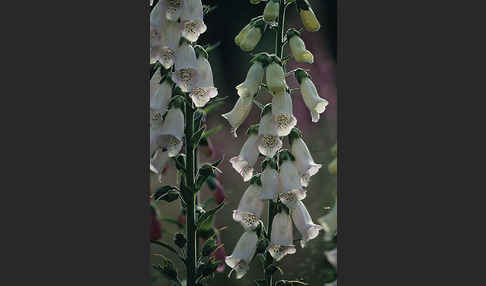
column 175, row 25
column 285, row 172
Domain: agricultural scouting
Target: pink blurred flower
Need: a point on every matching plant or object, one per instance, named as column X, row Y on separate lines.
column 219, row 194
column 155, row 226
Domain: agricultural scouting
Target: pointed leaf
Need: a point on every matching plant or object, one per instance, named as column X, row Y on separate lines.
column 208, row 215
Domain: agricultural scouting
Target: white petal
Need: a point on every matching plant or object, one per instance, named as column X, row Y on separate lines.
column 303, row 221
column 243, row 253
column 282, row 113
column 281, row 237
column 253, row 80
column 303, row 160
column 158, row 162
column 239, row 113
column 275, row 78
column 270, row 184
column 160, row 99
column 250, row 207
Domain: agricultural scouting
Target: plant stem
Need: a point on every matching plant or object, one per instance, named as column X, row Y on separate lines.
column 279, row 51
column 191, row 197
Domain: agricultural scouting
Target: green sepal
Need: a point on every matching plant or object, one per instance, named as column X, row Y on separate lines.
column 266, row 109
column 300, row 74
column 166, row 193
column 253, row 129
column 292, row 32
column 208, row 215
column 294, row 134
column 256, row 179
column 303, row 5
column 270, row 163
column 200, row 51
column 180, row 162
column 285, row 155
column 196, row 137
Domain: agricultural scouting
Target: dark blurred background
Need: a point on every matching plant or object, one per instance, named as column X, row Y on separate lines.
column 230, row 65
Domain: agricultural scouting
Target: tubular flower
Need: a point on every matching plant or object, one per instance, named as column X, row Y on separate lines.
column 243, row 253
column 270, row 13
column 185, row 75
column 332, row 257
column 314, row 103
column 251, row 206
column 307, row 16
column 159, row 100
column 158, row 161
column 174, row 9
column 275, row 78
column 297, row 47
column 281, row 242
column 204, row 89
column 291, row 188
column 269, row 179
column 252, row 37
column 242, row 34
column 244, row 162
column 239, row 113
column 329, row 223
column 253, row 80
column 303, row 158
column 155, row 82
column 155, row 26
column 303, row 221
column 219, row 255
column 269, row 142
column 172, row 131
column 192, row 20
column 282, row 113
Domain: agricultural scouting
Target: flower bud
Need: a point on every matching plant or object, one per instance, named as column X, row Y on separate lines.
column 275, row 77
column 297, row 48
column 251, row 39
column 313, row 102
column 271, row 11
column 307, row 16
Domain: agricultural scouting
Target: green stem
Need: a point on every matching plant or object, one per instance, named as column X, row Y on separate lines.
column 279, row 51
column 190, row 197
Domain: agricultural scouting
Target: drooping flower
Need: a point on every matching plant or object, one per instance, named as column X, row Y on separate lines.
column 282, row 113
column 291, row 188
column 192, row 20
column 155, row 82
column 331, row 256
column 220, row 255
column 250, row 39
column 172, row 131
column 253, row 79
column 329, row 223
column 159, row 100
column 307, row 16
column 251, row 206
column 159, row 161
column 204, row 89
column 275, row 76
column 271, row 11
column 243, row 253
column 244, row 162
column 269, row 178
column 269, row 142
column 185, row 75
column 314, row 103
column 155, row 26
column 165, row 37
column 281, row 239
column 297, row 47
column 303, row 159
column 239, row 113
column 242, row 34
column 303, row 221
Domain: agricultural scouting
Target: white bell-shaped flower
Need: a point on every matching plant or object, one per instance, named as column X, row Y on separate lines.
column 204, row 89
column 173, row 9
column 244, row 162
column 291, row 188
column 298, row 49
column 251, row 206
column 185, row 75
column 253, row 80
column 269, row 178
column 159, row 100
column 281, row 239
column 192, row 20
column 156, row 120
column 303, row 221
column 269, row 142
column 314, row 103
column 239, row 113
column 275, row 77
column 155, row 82
column 282, row 113
column 329, row 223
column 303, row 159
column 172, row 131
column 331, row 256
column 166, row 52
column 158, row 161
column 155, row 26
column 243, row 253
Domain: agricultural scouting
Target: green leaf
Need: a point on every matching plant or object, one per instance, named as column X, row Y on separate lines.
column 212, row 131
column 167, row 269
column 180, row 162
column 163, row 192
column 204, row 172
column 165, row 245
column 213, row 105
column 196, row 137
column 260, row 282
column 208, row 215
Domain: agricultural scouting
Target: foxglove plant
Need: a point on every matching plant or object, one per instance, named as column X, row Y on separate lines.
column 182, row 93
column 285, row 173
